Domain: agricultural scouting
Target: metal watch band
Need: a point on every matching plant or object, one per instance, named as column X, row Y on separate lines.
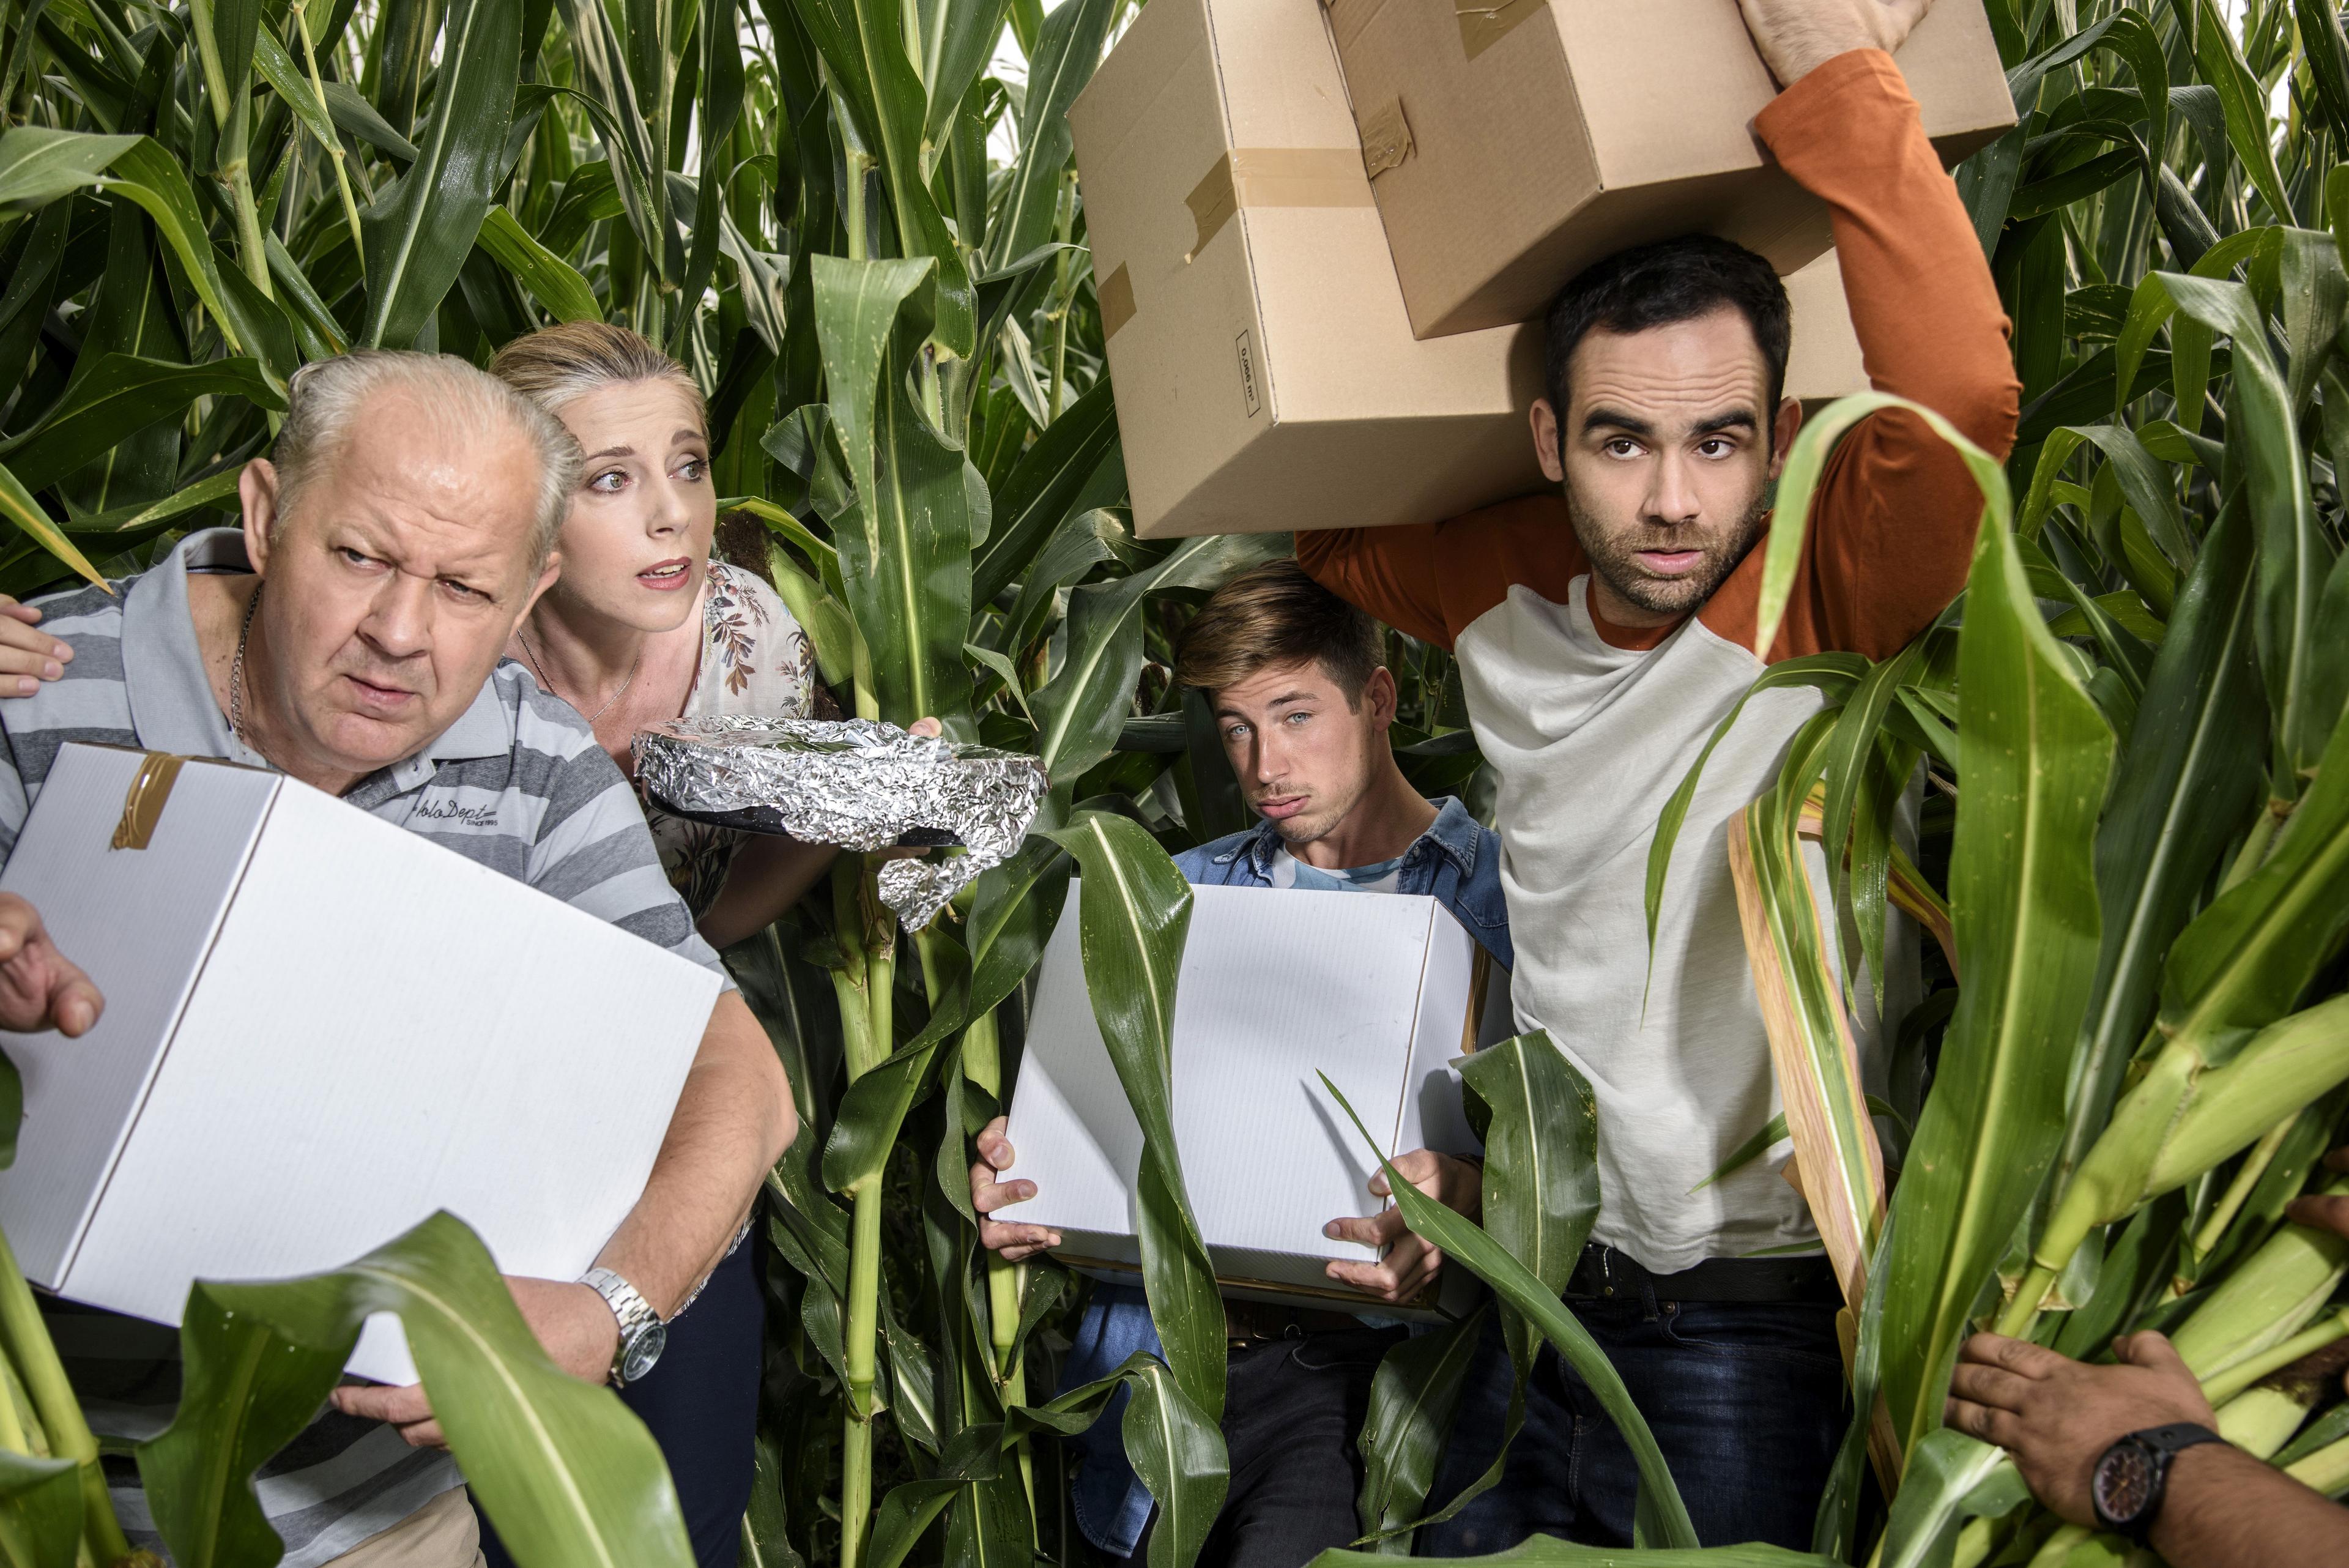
column 637, row 1320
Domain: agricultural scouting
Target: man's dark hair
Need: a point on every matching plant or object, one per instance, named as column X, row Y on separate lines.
column 1660, row 284
column 1276, row 614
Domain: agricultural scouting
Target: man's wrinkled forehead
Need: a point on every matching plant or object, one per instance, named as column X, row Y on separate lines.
column 1677, row 377
column 412, row 482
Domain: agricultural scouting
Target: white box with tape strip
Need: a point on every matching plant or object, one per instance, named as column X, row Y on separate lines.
column 1380, row 991
column 319, row 1030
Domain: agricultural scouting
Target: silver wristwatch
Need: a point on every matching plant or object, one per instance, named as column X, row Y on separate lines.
column 643, row 1336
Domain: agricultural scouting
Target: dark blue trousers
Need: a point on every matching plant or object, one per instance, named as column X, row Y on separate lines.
column 1746, row 1401
column 701, row 1404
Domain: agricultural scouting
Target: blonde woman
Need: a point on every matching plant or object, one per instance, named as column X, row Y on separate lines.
column 643, row 625
column 641, row 628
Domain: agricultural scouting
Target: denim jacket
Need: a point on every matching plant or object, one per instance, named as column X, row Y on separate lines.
column 1457, row 860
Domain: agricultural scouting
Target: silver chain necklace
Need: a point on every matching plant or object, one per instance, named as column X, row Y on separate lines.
column 236, row 674
column 540, row 670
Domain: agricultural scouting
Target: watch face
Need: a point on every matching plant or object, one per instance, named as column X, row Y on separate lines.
column 644, row 1348
column 2123, row 1483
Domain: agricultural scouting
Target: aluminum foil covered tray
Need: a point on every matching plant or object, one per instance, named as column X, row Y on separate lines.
column 856, row 782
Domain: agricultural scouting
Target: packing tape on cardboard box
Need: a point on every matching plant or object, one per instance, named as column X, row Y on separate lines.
column 1484, row 23
column 1386, row 139
column 1276, row 177
column 1116, row 296
column 142, row 803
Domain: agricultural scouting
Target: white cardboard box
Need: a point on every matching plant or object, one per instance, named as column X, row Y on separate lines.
column 319, row 1029
column 1381, row 991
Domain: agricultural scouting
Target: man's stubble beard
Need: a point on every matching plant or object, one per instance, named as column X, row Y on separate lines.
column 1612, row 559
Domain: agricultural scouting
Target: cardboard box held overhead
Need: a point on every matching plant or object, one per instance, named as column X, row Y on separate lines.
column 1267, row 379
column 1823, row 358
column 1381, row 991
column 319, row 1029
column 1513, row 144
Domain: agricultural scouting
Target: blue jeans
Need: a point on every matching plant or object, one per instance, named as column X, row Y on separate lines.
column 701, row 1404
column 1745, row 1400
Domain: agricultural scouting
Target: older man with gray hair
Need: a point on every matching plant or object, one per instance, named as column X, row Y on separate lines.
column 350, row 635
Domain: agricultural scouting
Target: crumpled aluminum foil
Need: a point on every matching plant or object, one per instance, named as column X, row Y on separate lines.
column 856, row 782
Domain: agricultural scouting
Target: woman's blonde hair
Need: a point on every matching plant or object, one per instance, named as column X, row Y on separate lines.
column 571, row 359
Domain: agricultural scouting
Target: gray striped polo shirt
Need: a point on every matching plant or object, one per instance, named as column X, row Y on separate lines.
column 517, row 782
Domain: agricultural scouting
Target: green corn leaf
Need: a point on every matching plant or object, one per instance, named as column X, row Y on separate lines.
column 123, row 395
column 1037, row 497
column 1835, row 1527
column 1414, row 1395
column 2219, row 62
column 38, row 164
column 1950, row 1479
column 1541, row 1153
column 1464, row 1243
column 2319, row 27
column 1080, row 710
column 130, row 524
column 906, row 562
column 355, row 116
column 1081, row 543
column 1773, row 1131
column 958, row 44
column 2243, row 962
column 40, row 1510
column 551, row 281
column 2315, row 299
column 2148, row 487
column 17, row 504
column 286, row 78
column 1548, row 1551
column 873, row 1108
column 568, row 1476
column 856, row 310
column 1835, row 674
column 2188, row 777
column 248, row 1391
column 1133, row 913
column 418, row 236
column 822, row 616
column 1814, row 1061
column 1064, row 62
column 1178, row 1452
column 2294, row 554
column 2034, row 754
column 1013, row 916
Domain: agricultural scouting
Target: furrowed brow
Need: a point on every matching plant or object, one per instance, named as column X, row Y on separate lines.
column 1735, row 419
column 1606, row 419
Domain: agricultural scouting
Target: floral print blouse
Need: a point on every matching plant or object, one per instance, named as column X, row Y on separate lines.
column 755, row 659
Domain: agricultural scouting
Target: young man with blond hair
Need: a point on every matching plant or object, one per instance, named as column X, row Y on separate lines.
column 1298, row 683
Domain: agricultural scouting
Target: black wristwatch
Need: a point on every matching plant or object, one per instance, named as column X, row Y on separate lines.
column 2127, row 1486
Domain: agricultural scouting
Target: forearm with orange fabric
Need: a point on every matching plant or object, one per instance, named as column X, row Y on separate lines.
column 1893, row 526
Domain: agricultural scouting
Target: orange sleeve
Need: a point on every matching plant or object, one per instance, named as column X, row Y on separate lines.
column 1431, row 579
column 1388, row 572
column 1893, row 524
